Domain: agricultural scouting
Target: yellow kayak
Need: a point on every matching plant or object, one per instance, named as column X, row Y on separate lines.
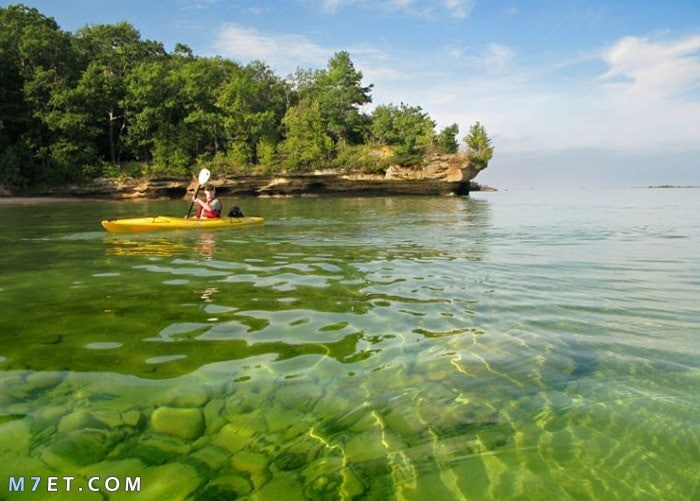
column 161, row 223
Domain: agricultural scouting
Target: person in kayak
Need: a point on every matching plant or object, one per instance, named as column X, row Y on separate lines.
column 211, row 207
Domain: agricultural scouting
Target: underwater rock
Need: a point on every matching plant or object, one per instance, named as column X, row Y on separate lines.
column 234, row 438
column 169, row 481
column 254, row 464
column 48, row 416
column 367, row 446
column 131, row 418
column 81, row 419
column 183, row 423
column 213, row 415
column 15, row 437
column 76, row 448
column 185, row 397
column 211, row 456
column 405, row 421
column 282, row 487
column 40, row 381
column 301, row 396
column 231, row 486
column 288, row 422
column 322, row 478
column 155, row 449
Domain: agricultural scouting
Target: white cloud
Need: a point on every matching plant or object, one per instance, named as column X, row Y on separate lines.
column 283, row 52
column 646, row 97
column 653, row 70
column 423, row 8
column 635, row 95
column 460, row 8
column 497, row 57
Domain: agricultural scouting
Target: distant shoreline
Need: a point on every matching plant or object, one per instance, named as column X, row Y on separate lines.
column 4, row 201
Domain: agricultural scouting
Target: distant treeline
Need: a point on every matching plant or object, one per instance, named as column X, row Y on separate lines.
column 103, row 102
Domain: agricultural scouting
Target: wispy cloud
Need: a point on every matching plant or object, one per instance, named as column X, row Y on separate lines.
column 196, row 4
column 650, row 69
column 460, row 8
column 284, row 52
column 422, row 8
column 635, row 93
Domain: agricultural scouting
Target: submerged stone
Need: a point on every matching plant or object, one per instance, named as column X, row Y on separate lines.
column 169, row 481
column 234, row 438
column 186, row 397
column 131, row 418
column 254, row 464
column 15, row 437
column 183, row 423
column 230, row 486
column 39, row 381
column 81, row 419
column 76, row 448
column 285, row 486
column 367, row 446
column 211, row 456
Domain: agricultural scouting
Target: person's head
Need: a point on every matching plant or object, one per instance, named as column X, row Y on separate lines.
column 209, row 190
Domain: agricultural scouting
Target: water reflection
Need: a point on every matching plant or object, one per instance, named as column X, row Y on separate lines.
column 202, row 244
column 143, row 246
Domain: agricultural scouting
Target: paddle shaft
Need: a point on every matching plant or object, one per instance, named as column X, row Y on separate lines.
column 195, row 196
column 203, row 178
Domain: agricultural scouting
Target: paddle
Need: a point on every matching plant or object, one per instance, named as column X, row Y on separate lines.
column 204, row 175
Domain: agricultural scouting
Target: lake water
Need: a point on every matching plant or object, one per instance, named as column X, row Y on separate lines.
column 510, row 345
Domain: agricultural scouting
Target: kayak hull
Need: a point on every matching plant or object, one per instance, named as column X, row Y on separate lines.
column 166, row 223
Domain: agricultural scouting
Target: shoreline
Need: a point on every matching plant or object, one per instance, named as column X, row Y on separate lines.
column 20, row 200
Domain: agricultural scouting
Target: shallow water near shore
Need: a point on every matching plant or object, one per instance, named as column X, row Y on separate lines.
column 509, row 345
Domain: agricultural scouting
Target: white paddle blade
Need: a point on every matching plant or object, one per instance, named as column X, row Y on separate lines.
column 204, row 176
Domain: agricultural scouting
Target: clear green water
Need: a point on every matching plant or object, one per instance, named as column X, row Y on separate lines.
column 503, row 346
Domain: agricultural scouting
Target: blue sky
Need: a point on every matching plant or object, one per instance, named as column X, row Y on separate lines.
column 572, row 92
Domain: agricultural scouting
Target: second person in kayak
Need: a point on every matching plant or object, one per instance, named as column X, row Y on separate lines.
column 211, row 207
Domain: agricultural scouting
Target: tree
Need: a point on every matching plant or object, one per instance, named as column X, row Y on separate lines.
column 406, row 129
column 167, row 108
column 479, row 146
column 340, row 93
column 252, row 102
column 446, row 141
column 35, row 61
column 306, row 146
column 111, row 53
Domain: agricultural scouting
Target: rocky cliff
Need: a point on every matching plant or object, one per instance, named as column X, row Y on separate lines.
column 442, row 175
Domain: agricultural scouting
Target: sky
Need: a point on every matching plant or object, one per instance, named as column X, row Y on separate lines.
column 573, row 93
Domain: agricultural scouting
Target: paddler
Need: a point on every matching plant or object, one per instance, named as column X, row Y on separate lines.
column 209, row 208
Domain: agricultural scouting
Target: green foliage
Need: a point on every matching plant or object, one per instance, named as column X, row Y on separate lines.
column 306, row 146
column 267, row 156
column 171, row 154
column 407, row 130
column 479, row 147
column 339, row 92
column 368, row 158
column 103, row 101
column 446, row 141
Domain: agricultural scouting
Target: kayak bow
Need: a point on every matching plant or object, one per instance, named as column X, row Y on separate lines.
column 161, row 223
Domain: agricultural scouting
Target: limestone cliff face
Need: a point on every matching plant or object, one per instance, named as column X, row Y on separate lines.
column 441, row 175
column 449, row 168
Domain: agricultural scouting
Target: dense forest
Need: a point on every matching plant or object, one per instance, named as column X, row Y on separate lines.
column 104, row 102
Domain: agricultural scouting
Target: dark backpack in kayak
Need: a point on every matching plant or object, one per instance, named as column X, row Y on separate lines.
column 235, row 212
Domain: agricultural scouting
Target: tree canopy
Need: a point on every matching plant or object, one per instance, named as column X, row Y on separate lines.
column 103, row 101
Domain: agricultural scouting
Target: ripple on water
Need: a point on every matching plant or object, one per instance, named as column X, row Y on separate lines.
column 106, row 345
